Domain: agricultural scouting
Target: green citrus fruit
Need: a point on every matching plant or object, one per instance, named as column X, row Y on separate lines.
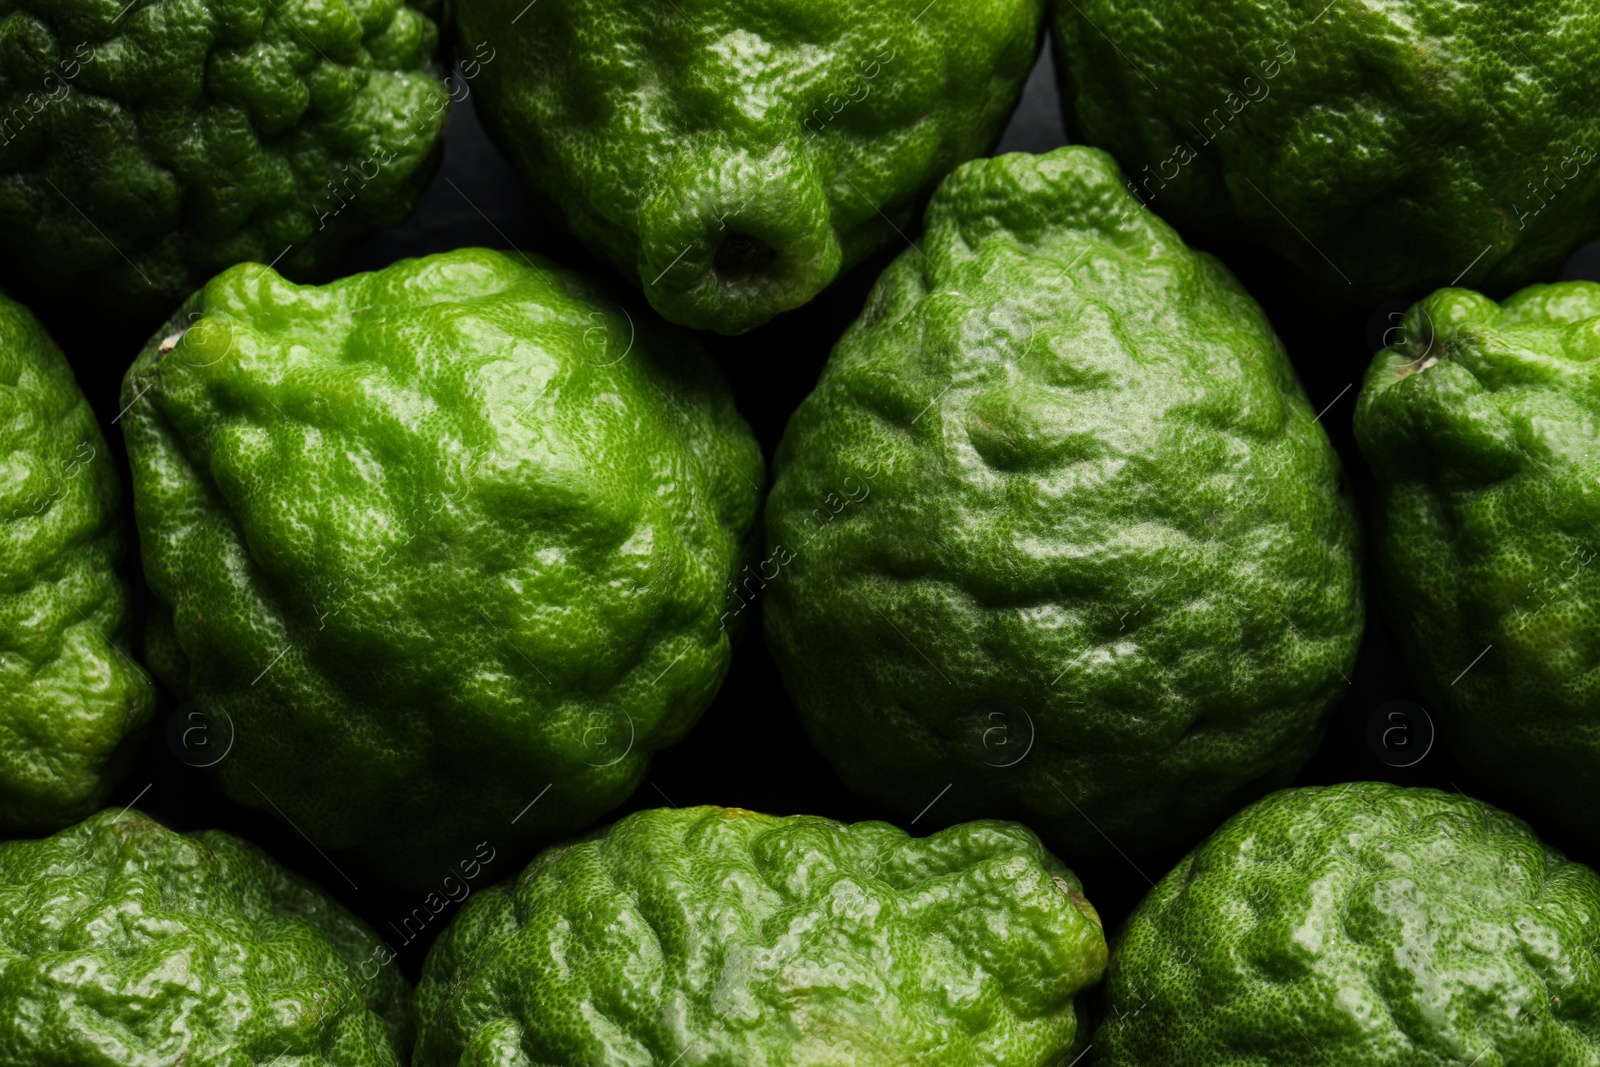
column 72, row 702
column 734, row 157
column 1480, row 424
column 147, row 144
column 1387, row 148
column 439, row 550
column 1360, row 924
column 124, row 943
column 718, row 936
column 1057, row 536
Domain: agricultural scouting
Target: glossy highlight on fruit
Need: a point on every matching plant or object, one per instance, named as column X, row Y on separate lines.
column 147, row 145
column 720, row 936
column 1387, row 148
column 440, row 549
column 1479, row 423
column 1057, row 537
column 73, row 703
column 122, row 942
column 736, row 157
column 1361, row 923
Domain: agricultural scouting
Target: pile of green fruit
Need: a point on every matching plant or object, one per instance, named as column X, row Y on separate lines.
column 436, row 557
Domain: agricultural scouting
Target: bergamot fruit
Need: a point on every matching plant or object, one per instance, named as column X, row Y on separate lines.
column 1480, row 425
column 1058, row 537
column 1364, row 924
column 719, row 936
column 735, row 157
column 123, row 943
column 441, row 549
column 72, row 702
column 1388, row 148
column 145, row 145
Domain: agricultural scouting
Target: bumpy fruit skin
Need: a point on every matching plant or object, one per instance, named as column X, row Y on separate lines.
column 1385, row 147
column 426, row 543
column 1479, row 422
column 146, row 146
column 1364, row 924
column 1057, row 529
column 736, row 156
column 718, row 936
column 123, row 943
column 72, row 701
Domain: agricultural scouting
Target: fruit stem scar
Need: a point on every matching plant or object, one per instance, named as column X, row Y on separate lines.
column 740, row 258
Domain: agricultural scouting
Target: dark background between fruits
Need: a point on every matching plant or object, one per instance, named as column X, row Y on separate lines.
column 749, row 749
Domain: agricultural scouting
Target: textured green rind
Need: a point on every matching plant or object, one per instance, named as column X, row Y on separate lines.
column 1385, row 147
column 816, row 126
column 1361, row 924
column 72, row 702
column 1479, row 423
column 715, row 936
column 1057, row 528
column 426, row 541
column 123, row 944
column 146, row 146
